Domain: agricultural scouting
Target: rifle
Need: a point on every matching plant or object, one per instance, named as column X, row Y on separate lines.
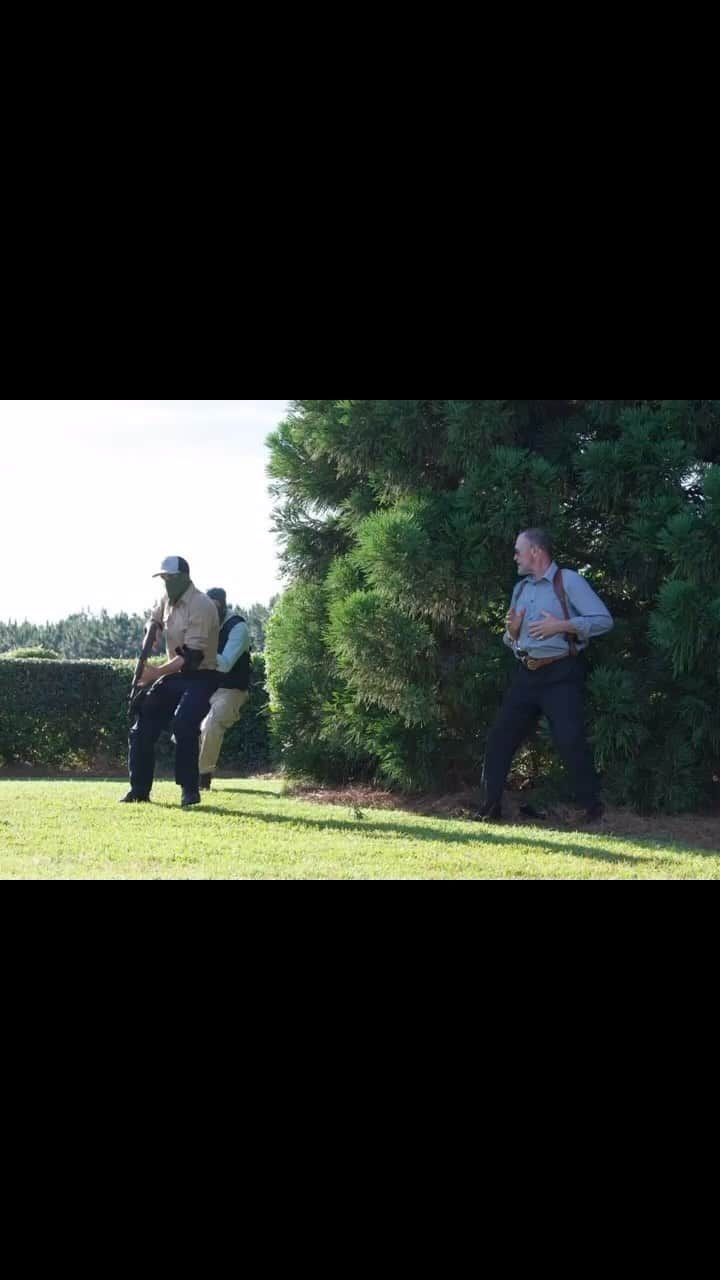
column 152, row 631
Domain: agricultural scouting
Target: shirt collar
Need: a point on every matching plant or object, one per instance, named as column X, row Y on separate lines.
column 549, row 575
column 185, row 597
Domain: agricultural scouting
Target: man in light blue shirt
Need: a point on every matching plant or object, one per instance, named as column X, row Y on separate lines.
column 553, row 616
column 233, row 666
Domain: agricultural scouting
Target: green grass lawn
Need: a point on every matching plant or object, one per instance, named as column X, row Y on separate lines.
column 250, row 830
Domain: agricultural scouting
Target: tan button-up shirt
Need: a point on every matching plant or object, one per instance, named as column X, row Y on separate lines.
column 194, row 622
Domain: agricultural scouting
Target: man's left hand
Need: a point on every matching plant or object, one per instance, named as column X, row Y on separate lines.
column 547, row 627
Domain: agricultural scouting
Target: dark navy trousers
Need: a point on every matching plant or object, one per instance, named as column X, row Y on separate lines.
column 556, row 691
column 179, row 703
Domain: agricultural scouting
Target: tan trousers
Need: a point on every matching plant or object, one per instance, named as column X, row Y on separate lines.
column 225, row 708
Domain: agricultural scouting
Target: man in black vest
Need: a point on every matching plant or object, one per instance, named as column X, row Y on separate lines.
column 553, row 616
column 233, row 667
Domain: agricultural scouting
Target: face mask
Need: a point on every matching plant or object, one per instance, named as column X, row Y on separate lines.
column 176, row 585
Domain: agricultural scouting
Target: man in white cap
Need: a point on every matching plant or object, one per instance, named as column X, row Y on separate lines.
column 179, row 693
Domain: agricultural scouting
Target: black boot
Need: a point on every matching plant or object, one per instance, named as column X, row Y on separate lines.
column 133, row 798
column 490, row 812
column 190, row 798
column 533, row 811
column 205, row 781
column 595, row 813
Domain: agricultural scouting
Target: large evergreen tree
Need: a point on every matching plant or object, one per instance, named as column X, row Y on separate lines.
column 398, row 519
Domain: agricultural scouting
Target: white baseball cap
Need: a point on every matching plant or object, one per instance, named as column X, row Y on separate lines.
column 173, row 564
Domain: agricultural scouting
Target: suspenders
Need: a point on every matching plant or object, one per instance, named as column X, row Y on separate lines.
column 561, row 594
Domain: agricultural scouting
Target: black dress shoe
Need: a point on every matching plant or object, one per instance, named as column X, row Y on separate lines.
column 488, row 813
column 133, row 798
column 595, row 813
column 190, row 798
column 531, row 811
column 205, row 781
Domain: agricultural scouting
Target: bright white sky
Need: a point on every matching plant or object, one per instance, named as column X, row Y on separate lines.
column 95, row 493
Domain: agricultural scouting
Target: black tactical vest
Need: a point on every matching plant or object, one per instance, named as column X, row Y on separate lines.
column 239, row 677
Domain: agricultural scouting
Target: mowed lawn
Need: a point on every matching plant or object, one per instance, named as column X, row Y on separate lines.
column 250, row 830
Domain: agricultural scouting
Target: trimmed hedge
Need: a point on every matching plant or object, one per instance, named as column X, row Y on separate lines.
column 73, row 715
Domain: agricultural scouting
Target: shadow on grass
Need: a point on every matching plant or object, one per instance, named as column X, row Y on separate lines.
column 268, row 794
column 473, row 840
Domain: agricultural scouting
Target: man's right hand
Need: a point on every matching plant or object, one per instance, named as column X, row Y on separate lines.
column 514, row 621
